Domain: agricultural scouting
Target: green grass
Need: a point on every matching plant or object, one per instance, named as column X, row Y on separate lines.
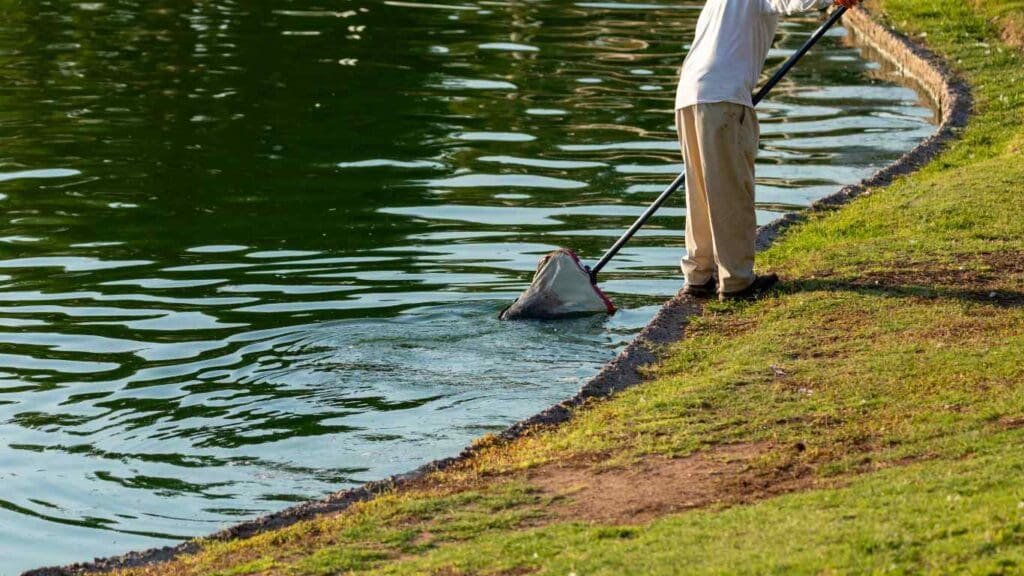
column 884, row 358
column 966, row 517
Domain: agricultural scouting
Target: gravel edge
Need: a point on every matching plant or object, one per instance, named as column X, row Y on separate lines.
column 911, row 60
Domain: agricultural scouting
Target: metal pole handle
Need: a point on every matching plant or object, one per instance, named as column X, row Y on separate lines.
column 678, row 182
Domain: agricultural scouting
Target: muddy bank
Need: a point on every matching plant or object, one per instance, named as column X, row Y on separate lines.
column 919, row 67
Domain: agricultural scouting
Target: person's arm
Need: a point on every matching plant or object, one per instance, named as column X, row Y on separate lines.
column 797, row 6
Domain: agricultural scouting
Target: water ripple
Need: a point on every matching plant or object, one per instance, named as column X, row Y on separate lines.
column 254, row 252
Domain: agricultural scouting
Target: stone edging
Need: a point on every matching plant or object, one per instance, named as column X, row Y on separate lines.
column 919, row 65
column 913, row 61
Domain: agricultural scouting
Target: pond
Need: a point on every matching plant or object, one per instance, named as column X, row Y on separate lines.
column 253, row 252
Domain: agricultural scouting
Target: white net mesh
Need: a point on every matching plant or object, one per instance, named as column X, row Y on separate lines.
column 561, row 287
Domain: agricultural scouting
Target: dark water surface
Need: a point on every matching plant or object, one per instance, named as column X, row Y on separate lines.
column 252, row 252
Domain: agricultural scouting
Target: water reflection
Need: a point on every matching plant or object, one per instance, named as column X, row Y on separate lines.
column 253, row 252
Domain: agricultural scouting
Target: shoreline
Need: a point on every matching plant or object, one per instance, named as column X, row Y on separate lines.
column 913, row 61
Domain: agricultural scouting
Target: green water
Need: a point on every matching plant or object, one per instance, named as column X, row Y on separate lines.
column 252, row 252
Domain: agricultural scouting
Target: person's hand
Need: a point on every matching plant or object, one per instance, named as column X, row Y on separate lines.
column 847, row 3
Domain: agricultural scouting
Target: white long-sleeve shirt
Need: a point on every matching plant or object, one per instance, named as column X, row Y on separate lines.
column 729, row 49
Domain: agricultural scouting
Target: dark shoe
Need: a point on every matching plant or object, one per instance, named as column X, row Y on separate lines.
column 701, row 290
column 756, row 289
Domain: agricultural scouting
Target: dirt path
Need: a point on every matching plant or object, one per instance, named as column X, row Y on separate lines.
column 656, row 486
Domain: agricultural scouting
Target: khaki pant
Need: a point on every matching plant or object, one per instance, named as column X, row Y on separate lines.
column 719, row 143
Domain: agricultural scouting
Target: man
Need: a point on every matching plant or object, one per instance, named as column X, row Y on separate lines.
column 718, row 134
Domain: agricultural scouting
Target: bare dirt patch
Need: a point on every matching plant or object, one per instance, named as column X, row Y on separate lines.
column 969, row 270
column 1011, row 423
column 658, row 485
column 1010, row 25
column 994, row 278
column 1012, row 28
column 452, row 571
column 1013, row 32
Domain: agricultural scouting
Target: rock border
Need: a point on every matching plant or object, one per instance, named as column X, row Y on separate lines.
column 921, row 67
column 911, row 60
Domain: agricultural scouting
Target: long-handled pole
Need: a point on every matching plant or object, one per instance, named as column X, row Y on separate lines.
column 678, row 182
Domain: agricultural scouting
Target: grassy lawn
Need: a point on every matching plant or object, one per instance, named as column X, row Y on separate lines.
column 878, row 398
